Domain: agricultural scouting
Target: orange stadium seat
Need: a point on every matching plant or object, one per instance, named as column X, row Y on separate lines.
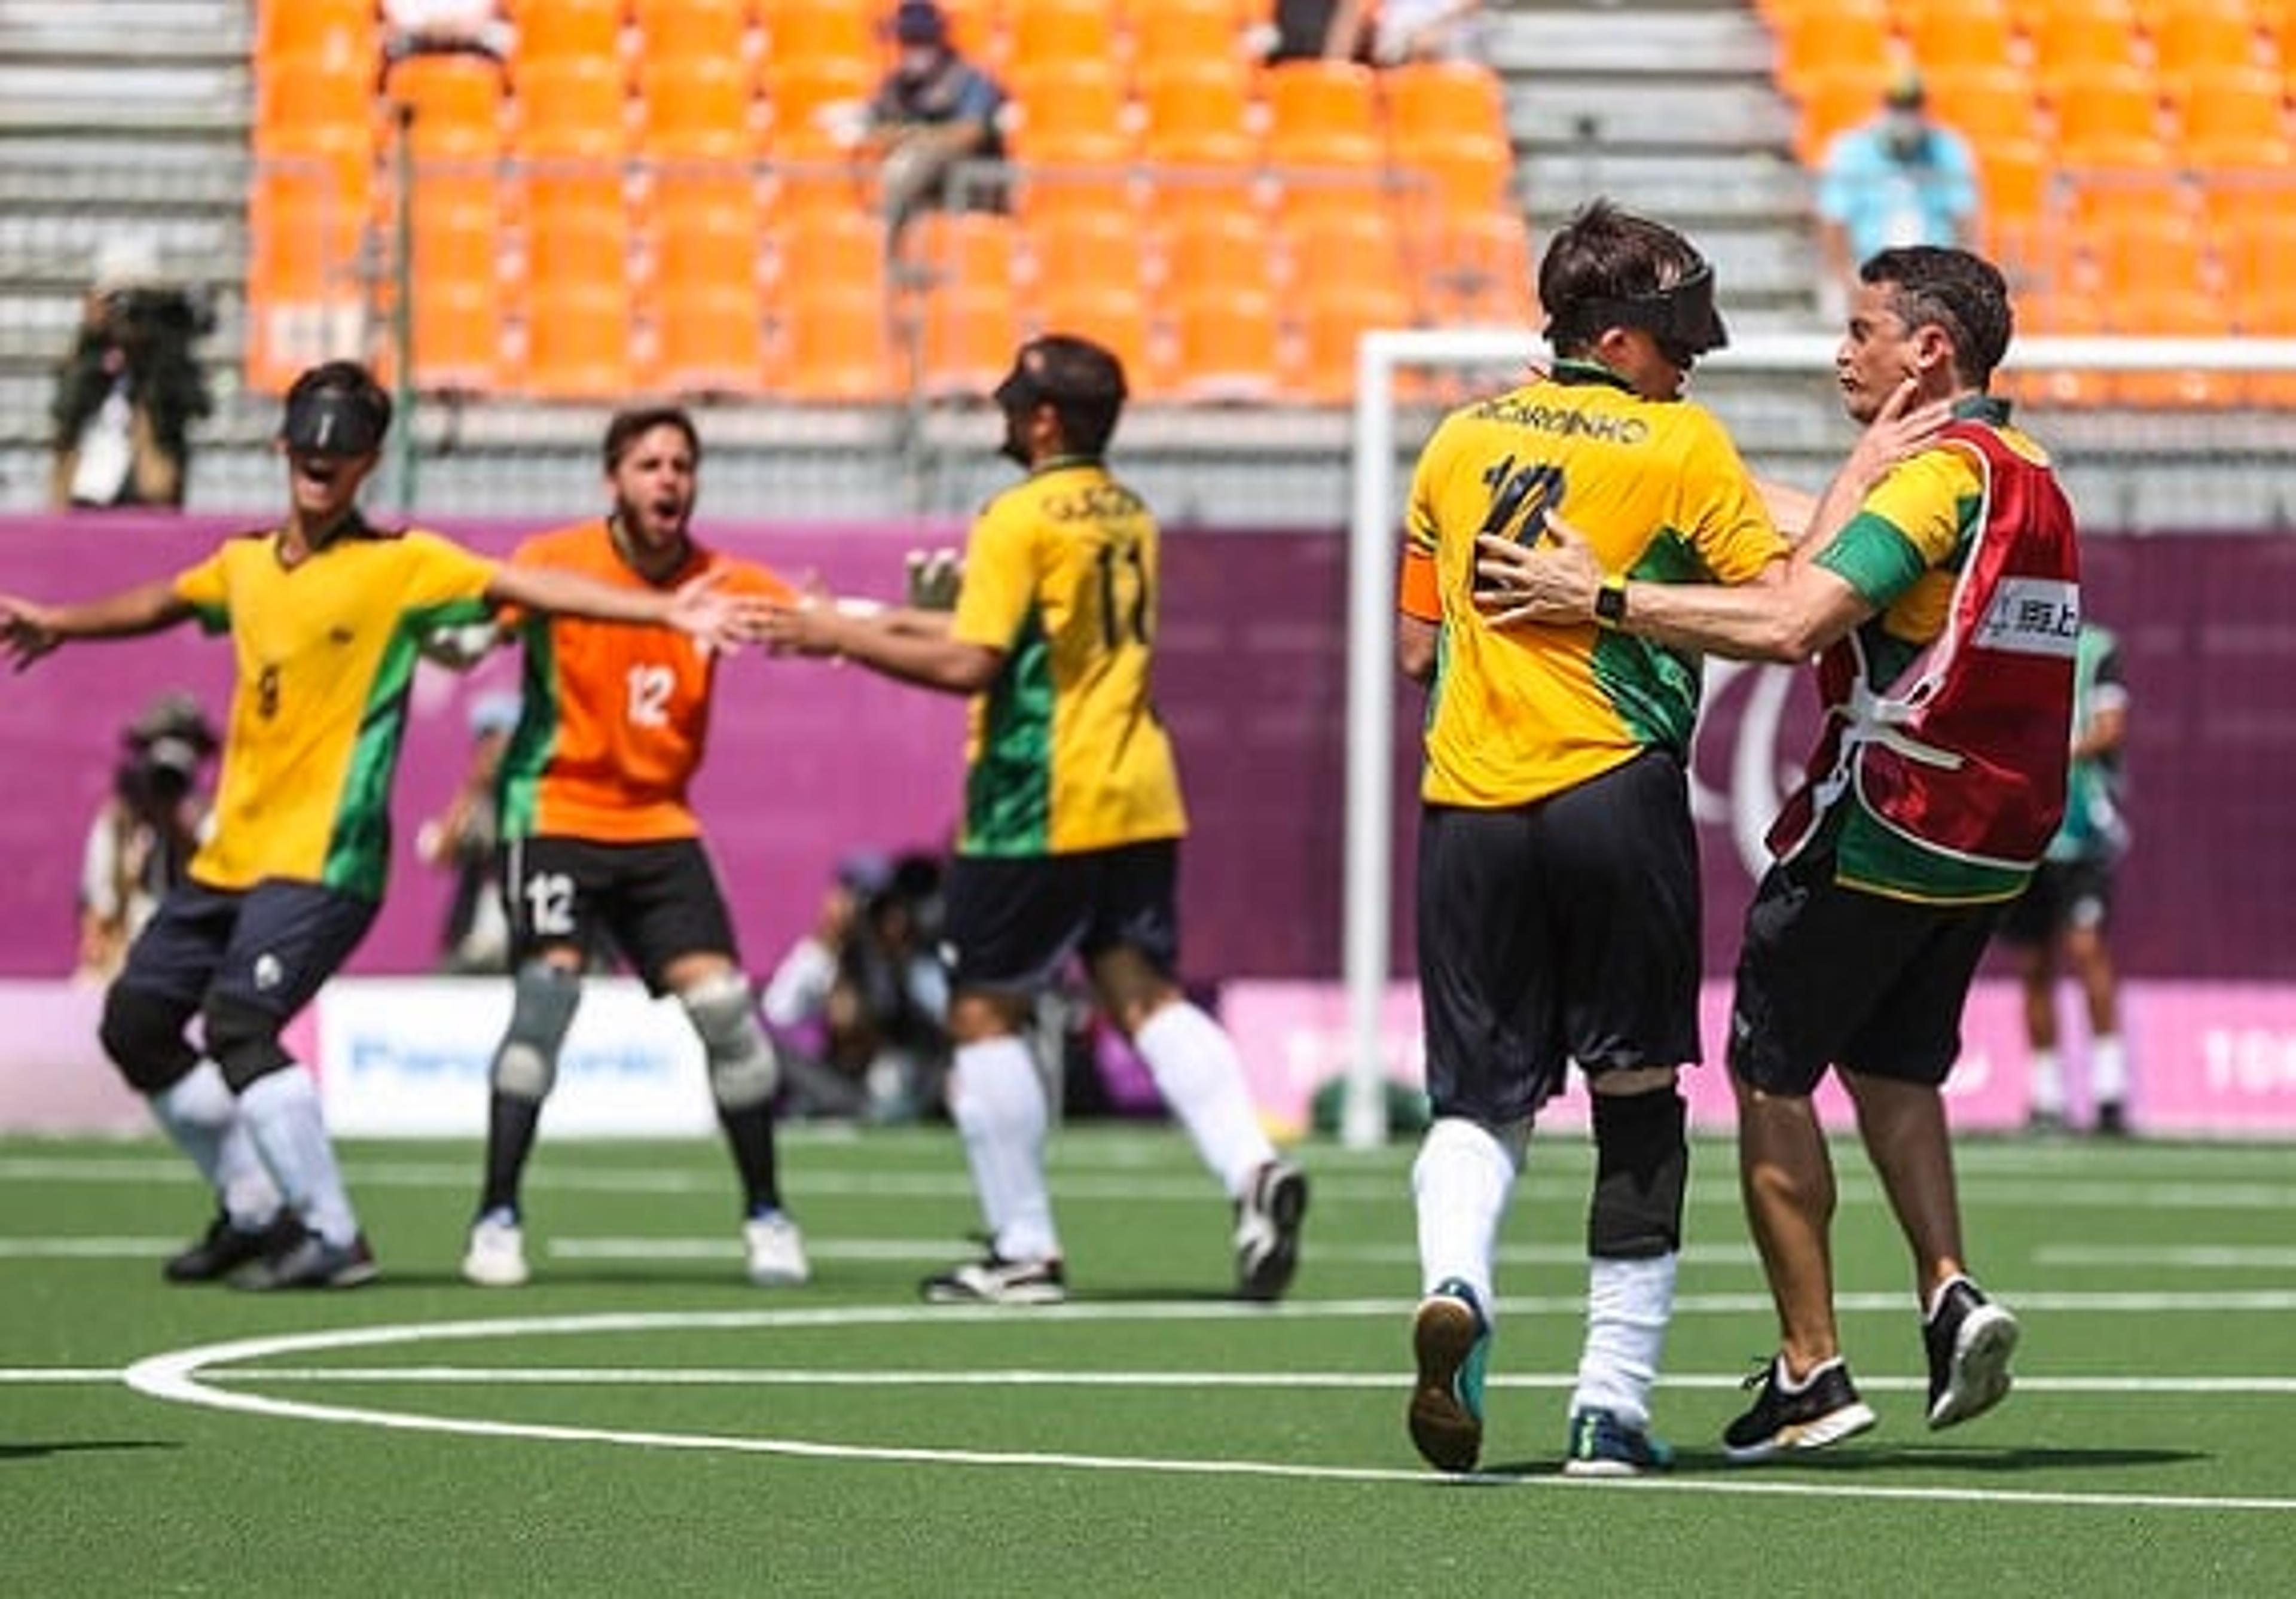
column 1334, row 251
column 2056, row 311
column 574, row 237
column 1831, row 102
column 2109, row 117
column 1224, row 346
column 692, row 30
column 1946, row 35
column 457, row 328
column 457, row 102
column 579, row 339
column 708, row 340
column 1479, row 272
column 967, row 252
column 2198, row 40
column 1331, row 321
column 705, row 230
column 2071, row 39
column 2155, row 254
column 1465, row 176
column 2013, row 179
column 823, row 30
column 575, row 106
column 1114, row 316
column 1167, row 33
column 965, row 338
column 1043, row 194
column 2159, row 313
column 1200, row 114
column 340, row 32
column 698, row 111
column 305, row 91
column 1077, row 114
column 2236, row 118
column 1057, row 32
column 797, row 91
column 2255, row 237
column 1983, row 104
column 558, row 29
column 1083, row 248
column 1210, row 250
column 1852, row 36
column 1321, row 113
column 1443, row 100
column 816, row 251
column 834, row 344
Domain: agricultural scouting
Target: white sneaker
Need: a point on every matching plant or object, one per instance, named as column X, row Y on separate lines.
column 776, row 1252
column 1267, row 1230
column 497, row 1257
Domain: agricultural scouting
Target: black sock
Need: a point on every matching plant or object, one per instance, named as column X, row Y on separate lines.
column 750, row 1133
column 510, row 1138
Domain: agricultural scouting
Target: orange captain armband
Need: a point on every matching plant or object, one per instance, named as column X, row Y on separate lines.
column 1420, row 597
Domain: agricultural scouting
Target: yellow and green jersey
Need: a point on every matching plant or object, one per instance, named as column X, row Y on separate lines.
column 1658, row 490
column 1065, row 751
column 325, row 650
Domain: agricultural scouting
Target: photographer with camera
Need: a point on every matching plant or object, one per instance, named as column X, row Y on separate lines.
column 145, row 834
column 130, row 391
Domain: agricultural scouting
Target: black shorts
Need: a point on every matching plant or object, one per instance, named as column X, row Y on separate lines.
column 2063, row 896
column 270, row 947
column 1565, row 929
column 657, row 902
column 1013, row 922
column 1829, row 976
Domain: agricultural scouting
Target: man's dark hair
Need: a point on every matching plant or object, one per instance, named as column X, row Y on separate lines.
column 628, row 427
column 1083, row 382
column 1606, row 257
column 1961, row 293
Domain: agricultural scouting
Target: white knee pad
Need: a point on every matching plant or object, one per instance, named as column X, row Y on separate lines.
column 542, row 1001
column 743, row 1070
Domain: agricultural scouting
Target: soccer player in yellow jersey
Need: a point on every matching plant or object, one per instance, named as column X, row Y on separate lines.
column 1072, row 821
column 1558, row 903
column 325, row 613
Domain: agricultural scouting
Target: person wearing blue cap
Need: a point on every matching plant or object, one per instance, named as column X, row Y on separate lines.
column 934, row 112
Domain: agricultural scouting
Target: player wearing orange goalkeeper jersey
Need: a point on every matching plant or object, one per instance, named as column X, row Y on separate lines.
column 601, row 841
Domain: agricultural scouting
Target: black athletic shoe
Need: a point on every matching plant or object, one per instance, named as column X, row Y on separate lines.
column 1824, row 1410
column 1267, row 1230
column 1969, row 1340
column 225, row 1247
column 310, row 1262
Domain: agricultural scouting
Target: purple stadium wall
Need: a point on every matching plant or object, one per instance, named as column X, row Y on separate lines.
column 808, row 761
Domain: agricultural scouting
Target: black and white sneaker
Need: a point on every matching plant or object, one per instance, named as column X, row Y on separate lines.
column 310, row 1262
column 225, row 1247
column 1267, row 1230
column 1969, row 1340
column 996, row 1280
column 1824, row 1409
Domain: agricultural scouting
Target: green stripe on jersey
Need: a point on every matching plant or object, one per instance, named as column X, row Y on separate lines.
column 1008, row 794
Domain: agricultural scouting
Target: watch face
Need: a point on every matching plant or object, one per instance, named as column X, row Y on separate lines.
column 1610, row 603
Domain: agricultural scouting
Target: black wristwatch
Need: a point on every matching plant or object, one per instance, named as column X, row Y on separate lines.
column 1610, row 603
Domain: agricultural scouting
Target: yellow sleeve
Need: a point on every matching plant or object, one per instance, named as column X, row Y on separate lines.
column 1723, row 514
column 1927, row 499
column 444, row 573
column 206, row 588
column 1000, row 581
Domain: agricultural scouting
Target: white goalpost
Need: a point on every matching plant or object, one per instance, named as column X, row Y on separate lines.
column 1375, row 514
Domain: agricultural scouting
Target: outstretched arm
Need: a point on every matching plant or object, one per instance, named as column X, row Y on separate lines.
column 721, row 620
column 28, row 631
column 906, row 645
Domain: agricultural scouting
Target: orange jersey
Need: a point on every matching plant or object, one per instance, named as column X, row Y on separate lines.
column 615, row 717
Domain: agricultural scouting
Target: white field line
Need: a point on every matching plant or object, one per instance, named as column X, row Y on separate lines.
column 2084, row 1191
column 184, row 1376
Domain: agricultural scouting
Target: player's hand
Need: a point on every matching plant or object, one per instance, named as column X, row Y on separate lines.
column 27, row 632
column 807, row 626
column 459, row 649
column 715, row 619
column 1554, row 580
column 935, row 578
column 1900, row 429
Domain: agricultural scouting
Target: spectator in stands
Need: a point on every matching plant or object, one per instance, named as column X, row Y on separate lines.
column 143, row 837
column 1315, row 29
column 2070, row 901
column 130, row 391
column 1423, row 30
column 445, row 27
column 1900, row 178
column 859, row 1004
column 934, row 112
column 476, row 935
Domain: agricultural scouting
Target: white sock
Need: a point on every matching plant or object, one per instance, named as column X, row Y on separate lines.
column 201, row 1115
column 1462, row 1181
column 1197, row 1071
column 281, row 1110
column 1628, row 1303
column 2108, row 1070
column 2048, row 1084
column 997, row 1102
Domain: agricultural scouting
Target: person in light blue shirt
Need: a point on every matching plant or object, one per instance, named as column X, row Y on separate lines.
column 1899, row 178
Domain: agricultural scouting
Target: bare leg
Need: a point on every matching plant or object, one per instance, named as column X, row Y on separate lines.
column 1786, row 1176
column 1904, row 1126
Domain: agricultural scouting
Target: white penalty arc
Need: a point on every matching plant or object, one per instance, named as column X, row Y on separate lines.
column 183, row 1376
